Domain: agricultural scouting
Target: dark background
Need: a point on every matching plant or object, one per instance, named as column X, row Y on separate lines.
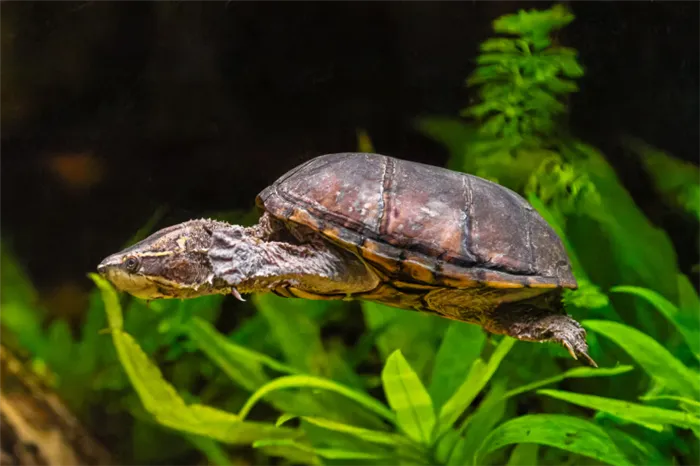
column 113, row 109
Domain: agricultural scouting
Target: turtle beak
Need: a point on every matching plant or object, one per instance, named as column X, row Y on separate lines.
column 108, row 264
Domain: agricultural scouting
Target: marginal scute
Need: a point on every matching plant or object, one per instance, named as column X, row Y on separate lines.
column 381, row 255
column 502, row 284
column 298, row 293
column 543, row 284
column 303, row 217
column 456, row 277
column 344, row 237
column 416, row 268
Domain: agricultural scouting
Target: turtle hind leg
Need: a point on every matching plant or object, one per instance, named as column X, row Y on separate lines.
column 530, row 323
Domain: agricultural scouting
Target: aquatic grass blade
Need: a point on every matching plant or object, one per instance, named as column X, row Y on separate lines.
column 460, row 347
column 555, row 430
column 574, row 373
column 408, row 398
column 445, row 445
column 637, row 451
column 242, row 365
column 215, row 454
column 295, row 452
column 656, row 360
column 309, row 453
column 479, row 375
column 373, row 436
column 162, row 401
column 524, row 454
column 414, row 333
column 689, row 404
column 312, row 382
column 486, row 416
column 298, row 335
column 647, row 416
column 687, row 324
column 688, row 299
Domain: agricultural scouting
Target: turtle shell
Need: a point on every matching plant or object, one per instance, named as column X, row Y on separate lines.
column 422, row 224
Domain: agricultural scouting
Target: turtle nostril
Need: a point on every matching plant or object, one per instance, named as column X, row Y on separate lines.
column 101, row 269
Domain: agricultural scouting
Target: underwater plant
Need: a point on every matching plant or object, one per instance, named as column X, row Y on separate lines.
column 285, row 383
column 523, row 81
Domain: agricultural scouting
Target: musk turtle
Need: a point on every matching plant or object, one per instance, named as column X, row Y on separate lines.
column 372, row 227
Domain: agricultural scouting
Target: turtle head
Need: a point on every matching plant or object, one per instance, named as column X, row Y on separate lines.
column 171, row 263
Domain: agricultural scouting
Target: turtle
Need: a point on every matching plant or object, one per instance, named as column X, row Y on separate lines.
column 362, row 226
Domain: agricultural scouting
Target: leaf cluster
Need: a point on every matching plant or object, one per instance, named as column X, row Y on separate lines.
column 522, row 80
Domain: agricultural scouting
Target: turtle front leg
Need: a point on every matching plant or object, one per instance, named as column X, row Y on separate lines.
column 540, row 325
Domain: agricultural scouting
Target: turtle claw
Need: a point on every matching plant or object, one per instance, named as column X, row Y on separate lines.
column 237, row 295
column 570, row 349
column 579, row 350
column 572, row 336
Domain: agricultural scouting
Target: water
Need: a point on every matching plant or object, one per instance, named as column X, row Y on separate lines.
column 123, row 118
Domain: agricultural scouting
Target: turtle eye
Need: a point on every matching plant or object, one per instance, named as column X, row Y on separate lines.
column 131, row 264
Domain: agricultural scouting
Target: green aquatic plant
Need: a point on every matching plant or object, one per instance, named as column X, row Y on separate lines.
column 326, row 382
column 676, row 181
column 523, row 80
column 623, row 282
column 419, row 424
column 603, row 229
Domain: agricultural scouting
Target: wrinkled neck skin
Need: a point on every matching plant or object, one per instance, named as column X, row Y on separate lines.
column 268, row 256
column 202, row 257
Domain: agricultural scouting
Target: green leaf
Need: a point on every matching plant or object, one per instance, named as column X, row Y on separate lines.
column 373, row 436
column 460, row 347
column 162, row 401
column 676, row 180
column 215, row 454
column 486, row 416
column 493, row 125
column 408, row 398
column 524, row 454
column 445, row 446
column 306, row 454
column 295, row 452
column 656, row 360
column 688, row 300
column 688, row 327
column 647, row 416
column 680, row 399
column 414, row 333
column 555, row 430
column 608, row 239
column 576, row 372
column 244, row 366
column 15, row 285
column 479, row 375
column 636, row 451
column 500, row 45
column 304, row 381
column 298, row 336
